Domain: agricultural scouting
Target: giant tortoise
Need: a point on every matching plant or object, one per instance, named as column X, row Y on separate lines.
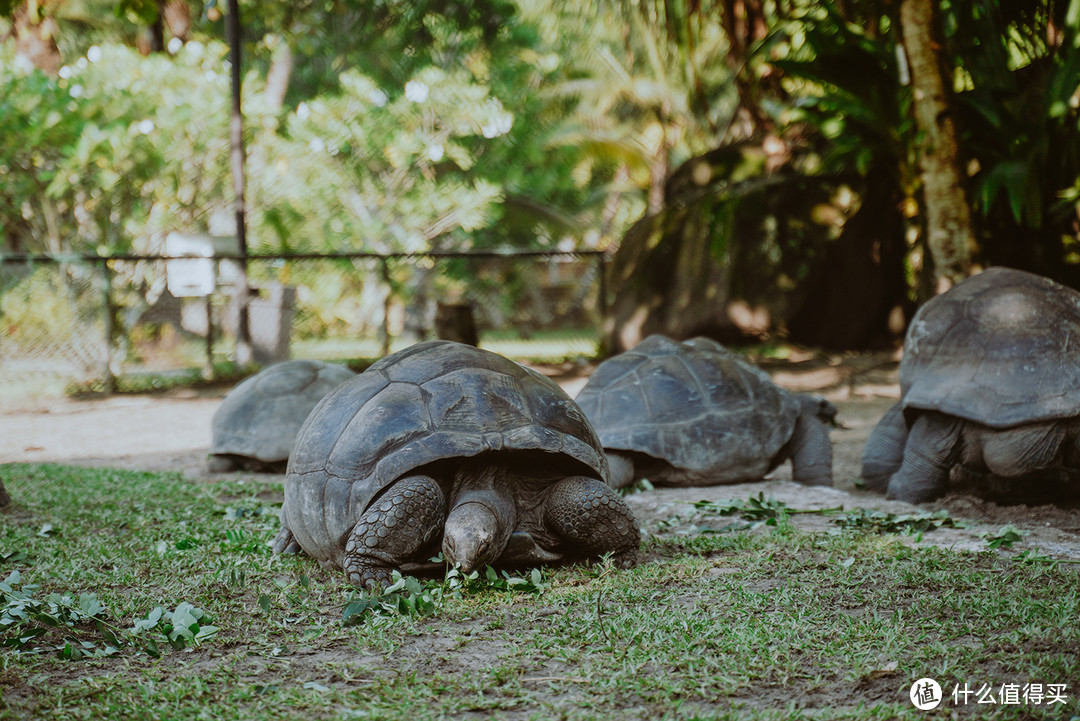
column 989, row 394
column 693, row 413
column 256, row 423
column 443, row 445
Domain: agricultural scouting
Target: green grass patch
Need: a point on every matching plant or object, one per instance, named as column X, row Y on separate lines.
column 543, row 346
column 763, row 623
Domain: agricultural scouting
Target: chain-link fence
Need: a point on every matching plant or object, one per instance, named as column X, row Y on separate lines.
column 82, row 322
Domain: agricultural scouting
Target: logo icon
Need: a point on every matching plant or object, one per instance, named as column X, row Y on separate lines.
column 926, row 694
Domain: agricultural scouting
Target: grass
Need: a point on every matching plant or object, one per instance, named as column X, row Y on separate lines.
column 540, row 346
column 764, row 623
column 27, row 381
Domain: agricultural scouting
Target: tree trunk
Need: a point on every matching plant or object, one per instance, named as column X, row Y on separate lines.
column 855, row 296
column 456, row 322
column 178, row 18
column 277, row 78
column 244, row 352
column 667, row 280
column 35, row 37
column 949, row 233
column 745, row 25
column 151, row 37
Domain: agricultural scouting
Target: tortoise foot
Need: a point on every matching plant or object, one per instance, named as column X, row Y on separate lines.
column 592, row 519
column 394, row 530
column 368, row 576
column 221, row 463
column 285, row 542
column 625, row 559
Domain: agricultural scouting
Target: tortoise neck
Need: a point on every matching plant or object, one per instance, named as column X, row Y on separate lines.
column 482, row 515
column 484, row 481
column 482, row 505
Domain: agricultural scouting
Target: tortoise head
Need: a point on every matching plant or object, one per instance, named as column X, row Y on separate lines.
column 481, row 518
column 471, row 539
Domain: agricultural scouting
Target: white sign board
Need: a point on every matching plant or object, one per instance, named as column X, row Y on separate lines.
column 192, row 273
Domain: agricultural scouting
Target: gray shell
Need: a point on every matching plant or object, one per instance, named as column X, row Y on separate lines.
column 433, row 401
column 260, row 417
column 694, row 404
column 1000, row 348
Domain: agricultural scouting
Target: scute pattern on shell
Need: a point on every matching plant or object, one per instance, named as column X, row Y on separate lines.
column 433, row 401
column 999, row 349
column 261, row 416
column 694, row 404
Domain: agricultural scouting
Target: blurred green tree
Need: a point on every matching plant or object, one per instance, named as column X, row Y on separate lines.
column 846, row 235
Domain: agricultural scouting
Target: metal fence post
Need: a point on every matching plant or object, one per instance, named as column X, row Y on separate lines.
column 602, row 301
column 384, row 262
column 106, row 300
column 208, row 371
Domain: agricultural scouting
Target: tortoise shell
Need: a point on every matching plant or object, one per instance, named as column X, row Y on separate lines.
column 434, row 401
column 693, row 404
column 261, row 416
column 998, row 349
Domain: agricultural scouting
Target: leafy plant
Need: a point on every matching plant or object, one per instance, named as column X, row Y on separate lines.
column 406, row 596
column 409, row 596
column 874, row 521
column 459, row 584
column 183, row 626
column 1004, row 538
column 1034, row 556
column 759, row 508
column 86, row 631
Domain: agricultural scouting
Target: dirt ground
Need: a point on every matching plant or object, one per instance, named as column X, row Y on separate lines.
column 171, row 432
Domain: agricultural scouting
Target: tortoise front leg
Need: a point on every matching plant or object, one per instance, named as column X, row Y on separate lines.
column 933, row 445
column 621, row 471
column 811, row 452
column 592, row 519
column 883, row 453
column 407, row 519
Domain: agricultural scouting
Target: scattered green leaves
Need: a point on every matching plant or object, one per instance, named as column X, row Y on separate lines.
column 640, row 486
column 409, row 596
column 13, row 557
column 875, row 521
column 759, row 508
column 1034, row 556
column 184, row 626
column 460, row 583
column 406, row 596
column 86, row 632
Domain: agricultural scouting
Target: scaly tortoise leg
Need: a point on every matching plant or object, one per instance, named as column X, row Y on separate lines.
column 592, row 518
column 406, row 519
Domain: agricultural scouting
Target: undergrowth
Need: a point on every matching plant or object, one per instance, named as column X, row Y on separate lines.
column 148, row 596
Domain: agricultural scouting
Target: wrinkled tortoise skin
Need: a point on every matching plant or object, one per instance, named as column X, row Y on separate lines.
column 693, row 413
column 990, row 394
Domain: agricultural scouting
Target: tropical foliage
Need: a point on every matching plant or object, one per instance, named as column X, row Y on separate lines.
column 767, row 151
